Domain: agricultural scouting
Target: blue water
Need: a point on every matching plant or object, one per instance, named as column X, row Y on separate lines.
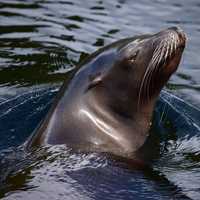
column 41, row 42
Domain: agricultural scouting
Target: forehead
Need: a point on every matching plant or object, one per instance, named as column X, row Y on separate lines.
column 102, row 62
column 133, row 45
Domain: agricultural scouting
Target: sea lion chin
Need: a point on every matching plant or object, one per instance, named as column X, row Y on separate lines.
column 107, row 106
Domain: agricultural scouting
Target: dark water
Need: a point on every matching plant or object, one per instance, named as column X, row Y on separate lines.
column 40, row 42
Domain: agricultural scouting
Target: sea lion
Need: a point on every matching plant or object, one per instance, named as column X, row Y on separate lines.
column 107, row 106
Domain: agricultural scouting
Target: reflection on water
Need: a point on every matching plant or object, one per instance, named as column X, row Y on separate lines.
column 56, row 172
column 40, row 43
column 180, row 160
column 20, row 114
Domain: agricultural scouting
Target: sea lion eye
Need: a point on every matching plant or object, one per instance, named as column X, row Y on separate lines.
column 133, row 57
column 94, row 79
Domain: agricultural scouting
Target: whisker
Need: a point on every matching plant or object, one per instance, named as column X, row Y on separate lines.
column 165, row 109
column 149, row 81
column 141, row 86
column 160, row 55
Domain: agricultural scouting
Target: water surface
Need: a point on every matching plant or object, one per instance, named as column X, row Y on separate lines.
column 40, row 43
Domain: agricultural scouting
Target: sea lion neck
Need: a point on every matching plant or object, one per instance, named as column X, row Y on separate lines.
column 122, row 102
column 127, row 133
column 103, row 108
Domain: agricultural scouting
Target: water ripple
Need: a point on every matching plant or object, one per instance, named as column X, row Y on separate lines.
column 41, row 41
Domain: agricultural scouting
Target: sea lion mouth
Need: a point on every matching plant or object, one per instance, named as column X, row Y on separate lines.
column 168, row 47
column 167, row 43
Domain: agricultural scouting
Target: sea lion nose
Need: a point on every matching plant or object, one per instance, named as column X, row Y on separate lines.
column 180, row 32
column 176, row 28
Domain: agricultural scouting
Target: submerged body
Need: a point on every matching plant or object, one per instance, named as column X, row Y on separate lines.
column 108, row 104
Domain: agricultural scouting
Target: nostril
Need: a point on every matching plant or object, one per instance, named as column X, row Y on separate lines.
column 177, row 29
column 180, row 33
column 174, row 28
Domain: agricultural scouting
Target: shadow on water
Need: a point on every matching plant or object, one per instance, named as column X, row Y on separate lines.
column 40, row 44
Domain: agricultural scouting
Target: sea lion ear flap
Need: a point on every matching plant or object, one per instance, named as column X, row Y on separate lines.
column 94, row 80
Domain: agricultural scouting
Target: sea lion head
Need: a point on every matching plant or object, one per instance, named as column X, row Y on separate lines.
column 140, row 69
